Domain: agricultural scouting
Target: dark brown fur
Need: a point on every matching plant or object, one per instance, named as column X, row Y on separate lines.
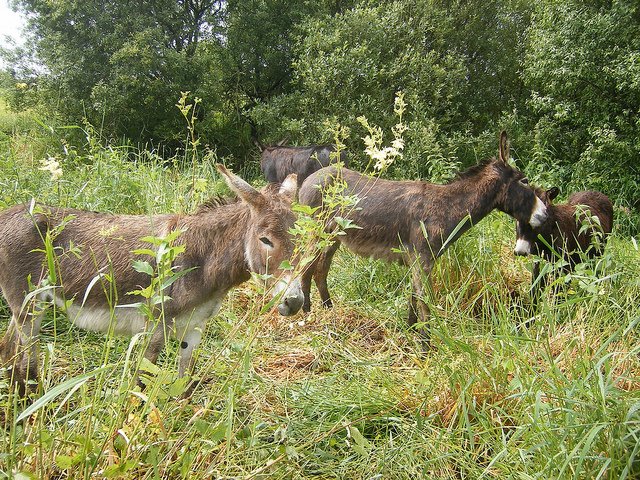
column 223, row 244
column 561, row 231
column 392, row 214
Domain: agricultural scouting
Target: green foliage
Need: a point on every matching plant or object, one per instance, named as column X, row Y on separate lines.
column 582, row 65
column 343, row 393
column 339, row 77
column 114, row 63
column 562, row 77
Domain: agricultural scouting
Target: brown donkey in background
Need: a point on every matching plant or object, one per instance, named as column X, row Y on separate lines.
column 562, row 234
column 94, row 253
column 393, row 217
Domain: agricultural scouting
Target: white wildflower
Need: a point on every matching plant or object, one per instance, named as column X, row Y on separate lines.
column 398, row 144
column 52, row 166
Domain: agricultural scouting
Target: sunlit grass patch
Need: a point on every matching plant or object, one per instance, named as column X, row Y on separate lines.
column 505, row 391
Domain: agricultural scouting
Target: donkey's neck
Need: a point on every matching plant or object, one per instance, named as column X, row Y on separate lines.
column 215, row 241
column 469, row 199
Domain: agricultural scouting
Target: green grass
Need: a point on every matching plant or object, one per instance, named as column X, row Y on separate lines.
column 341, row 393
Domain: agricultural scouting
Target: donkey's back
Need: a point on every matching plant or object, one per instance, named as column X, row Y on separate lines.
column 598, row 204
column 278, row 162
column 388, row 212
column 82, row 245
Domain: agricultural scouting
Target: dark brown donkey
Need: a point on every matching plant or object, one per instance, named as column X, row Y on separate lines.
column 564, row 237
column 223, row 244
column 394, row 216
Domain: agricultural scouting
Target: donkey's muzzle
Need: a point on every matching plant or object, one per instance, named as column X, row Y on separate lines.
column 523, row 247
column 291, row 305
column 292, row 297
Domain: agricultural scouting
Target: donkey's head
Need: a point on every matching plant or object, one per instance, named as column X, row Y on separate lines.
column 526, row 235
column 267, row 242
column 517, row 199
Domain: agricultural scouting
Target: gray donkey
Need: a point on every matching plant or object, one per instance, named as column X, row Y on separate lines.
column 94, row 253
column 277, row 162
column 412, row 222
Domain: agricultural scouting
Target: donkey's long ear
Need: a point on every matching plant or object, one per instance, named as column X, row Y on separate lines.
column 258, row 144
column 504, row 147
column 289, row 188
column 553, row 192
column 245, row 191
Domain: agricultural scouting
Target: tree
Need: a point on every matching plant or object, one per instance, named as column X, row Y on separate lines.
column 260, row 43
column 583, row 65
column 121, row 65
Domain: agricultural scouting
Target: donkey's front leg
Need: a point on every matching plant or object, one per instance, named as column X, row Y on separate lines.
column 305, row 284
column 418, row 309
column 155, row 346
column 318, row 270
column 538, row 283
column 322, row 272
column 19, row 350
column 190, row 340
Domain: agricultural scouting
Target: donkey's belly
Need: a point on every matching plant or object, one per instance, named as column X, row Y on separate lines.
column 125, row 320
column 370, row 249
column 122, row 321
column 197, row 317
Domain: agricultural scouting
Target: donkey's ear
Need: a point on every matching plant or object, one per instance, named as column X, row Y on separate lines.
column 553, row 192
column 289, row 187
column 504, row 147
column 241, row 188
column 258, row 144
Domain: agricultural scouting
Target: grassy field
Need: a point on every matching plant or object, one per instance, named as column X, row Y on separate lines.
column 341, row 393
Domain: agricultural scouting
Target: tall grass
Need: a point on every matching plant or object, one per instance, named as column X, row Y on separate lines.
column 341, row 393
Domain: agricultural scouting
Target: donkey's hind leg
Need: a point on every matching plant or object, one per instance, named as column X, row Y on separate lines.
column 19, row 350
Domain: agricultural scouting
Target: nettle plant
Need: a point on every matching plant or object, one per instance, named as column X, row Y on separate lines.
column 310, row 230
column 590, row 273
column 162, row 274
column 588, row 276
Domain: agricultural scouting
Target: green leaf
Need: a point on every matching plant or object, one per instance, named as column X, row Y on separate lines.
column 179, row 386
column 144, row 251
column 64, row 462
column 48, row 397
column 142, row 267
column 362, row 445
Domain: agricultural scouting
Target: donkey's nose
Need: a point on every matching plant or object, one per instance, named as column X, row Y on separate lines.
column 291, row 305
column 523, row 247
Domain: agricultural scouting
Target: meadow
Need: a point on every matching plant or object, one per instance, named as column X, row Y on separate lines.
column 504, row 392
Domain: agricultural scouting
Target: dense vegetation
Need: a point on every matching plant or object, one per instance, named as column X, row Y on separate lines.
column 348, row 392
column 344, row 393
column 562, row 77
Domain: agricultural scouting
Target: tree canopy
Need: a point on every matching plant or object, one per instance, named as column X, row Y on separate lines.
column 563, row 77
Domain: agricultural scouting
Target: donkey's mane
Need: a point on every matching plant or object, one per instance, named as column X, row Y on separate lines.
column 474, row 170
column 214, row 202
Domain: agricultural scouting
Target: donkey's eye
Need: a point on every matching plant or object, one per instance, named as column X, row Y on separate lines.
column 266, row 241
column 524, row 181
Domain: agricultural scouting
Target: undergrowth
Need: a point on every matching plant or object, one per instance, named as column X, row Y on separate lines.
column 505, row 391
